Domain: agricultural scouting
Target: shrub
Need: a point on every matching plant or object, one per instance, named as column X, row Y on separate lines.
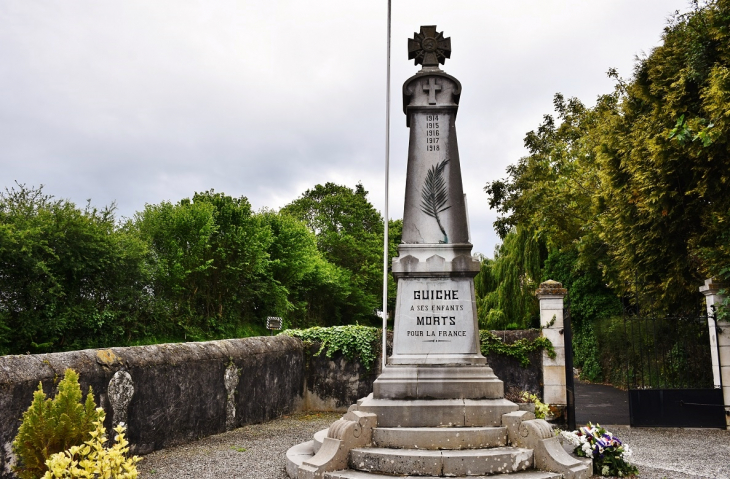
column 93, row 459
column 51, row 426
column 586, row 353
column 520, row 349
column 541, row 409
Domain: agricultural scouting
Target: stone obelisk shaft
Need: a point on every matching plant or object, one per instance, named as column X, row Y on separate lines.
column 436, row 337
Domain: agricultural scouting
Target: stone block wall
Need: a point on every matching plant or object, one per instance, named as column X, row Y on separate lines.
column 167, row 394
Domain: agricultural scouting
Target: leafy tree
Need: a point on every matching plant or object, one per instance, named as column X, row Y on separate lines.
column 505, row 286
column 395, row 235
column 69, row 278
column 664, row 160
column 636, row 184
column 211, row 265
column 630, row 195
column 349, row 235
column 316, row 290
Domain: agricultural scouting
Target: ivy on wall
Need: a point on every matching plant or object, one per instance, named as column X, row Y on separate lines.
column 353, row 341
column 520, row 349
column 362, row 343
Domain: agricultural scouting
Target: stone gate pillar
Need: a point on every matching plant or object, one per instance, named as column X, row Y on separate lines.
column 551, row 295
column 719, row 340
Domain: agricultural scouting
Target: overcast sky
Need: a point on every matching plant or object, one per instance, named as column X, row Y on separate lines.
column 143, row 101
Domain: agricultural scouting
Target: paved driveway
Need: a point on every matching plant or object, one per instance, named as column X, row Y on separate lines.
column 600, row 404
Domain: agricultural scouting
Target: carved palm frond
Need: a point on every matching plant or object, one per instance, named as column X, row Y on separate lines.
column 434, row 194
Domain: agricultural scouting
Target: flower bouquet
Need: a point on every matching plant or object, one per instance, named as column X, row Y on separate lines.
column 610, row 455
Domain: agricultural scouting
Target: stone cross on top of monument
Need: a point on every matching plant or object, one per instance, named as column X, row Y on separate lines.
column 429, row 48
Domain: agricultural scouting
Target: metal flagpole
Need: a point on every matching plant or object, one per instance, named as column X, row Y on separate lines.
column 385, row 214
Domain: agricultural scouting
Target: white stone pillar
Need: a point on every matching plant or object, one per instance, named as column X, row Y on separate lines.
column 551, row 295
column 719, row 340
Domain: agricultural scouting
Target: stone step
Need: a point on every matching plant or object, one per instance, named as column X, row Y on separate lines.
column 296, row 455
column 469, row 462
column 529, row 474
column 437, row 412
column 319, row 438
column 439, row 437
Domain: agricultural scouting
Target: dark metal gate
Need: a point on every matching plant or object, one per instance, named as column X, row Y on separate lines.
column 669, row 373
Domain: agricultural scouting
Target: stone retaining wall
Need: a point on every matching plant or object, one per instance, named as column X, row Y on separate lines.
column 509, row 369
column 167, row 394
column 333, row 384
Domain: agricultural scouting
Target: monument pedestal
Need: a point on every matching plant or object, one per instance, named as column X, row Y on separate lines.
column 436, row 337
column 438, row 382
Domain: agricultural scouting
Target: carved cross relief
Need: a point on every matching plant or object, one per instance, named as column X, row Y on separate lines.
column 431, row 88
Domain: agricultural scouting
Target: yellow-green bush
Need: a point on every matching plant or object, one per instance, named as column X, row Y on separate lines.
column 53, row 425
column 92, row 460
column 541, row 409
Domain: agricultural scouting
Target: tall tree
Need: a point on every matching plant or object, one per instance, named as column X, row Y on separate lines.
column 69, row 277
column 349, row 233
column 665, row 159
column 316, row 289
column 505, row 286
column 636, row 184
column 211, row 263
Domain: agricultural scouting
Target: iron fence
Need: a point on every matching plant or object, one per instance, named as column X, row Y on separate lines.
column 667, row 352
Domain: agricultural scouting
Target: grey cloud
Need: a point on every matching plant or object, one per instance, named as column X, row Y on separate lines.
column 141, row 101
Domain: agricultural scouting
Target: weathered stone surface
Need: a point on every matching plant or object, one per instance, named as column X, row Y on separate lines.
column 537, row 435
column 230, row 380
column 440, row 437
column 296, row 455
column 435, row 260
column 333, row 384
column 354, row 430
column 319, row 439
column 509, row 369
column 396, row 461
column 179, row 390
column 551, row 288
column 512, row 421
column 120, row 392
column 497, row 460
column 438, row 382
column 351, row 474
column 436, row 322
column 437, row 412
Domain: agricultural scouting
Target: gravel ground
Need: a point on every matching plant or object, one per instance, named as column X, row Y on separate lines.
column 258, row 451
column 677, row 453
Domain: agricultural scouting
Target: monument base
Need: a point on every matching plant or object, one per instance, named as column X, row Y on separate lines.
column 438, row 382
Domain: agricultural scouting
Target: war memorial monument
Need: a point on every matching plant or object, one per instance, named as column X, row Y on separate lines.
column 437, row 409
